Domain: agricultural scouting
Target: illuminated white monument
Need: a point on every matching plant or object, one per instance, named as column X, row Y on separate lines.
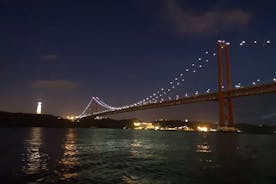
column 39, row 106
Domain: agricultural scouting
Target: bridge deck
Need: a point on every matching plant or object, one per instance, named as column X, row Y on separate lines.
column 247, row 91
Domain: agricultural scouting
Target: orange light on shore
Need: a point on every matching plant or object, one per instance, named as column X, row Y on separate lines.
column 202, row 129
column 71, row 117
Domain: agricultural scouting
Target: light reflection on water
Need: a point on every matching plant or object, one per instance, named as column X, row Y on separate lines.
column 203, row 146
column 125, row 156
column 70, row 156
column 135, row 146
column 35, row 160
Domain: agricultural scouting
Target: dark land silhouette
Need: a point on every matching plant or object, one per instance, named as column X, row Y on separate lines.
column 8, row 119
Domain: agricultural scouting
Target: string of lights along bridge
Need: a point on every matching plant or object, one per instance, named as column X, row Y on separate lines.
column 223, row 93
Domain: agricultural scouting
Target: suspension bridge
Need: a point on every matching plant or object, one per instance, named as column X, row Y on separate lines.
column 223, row 96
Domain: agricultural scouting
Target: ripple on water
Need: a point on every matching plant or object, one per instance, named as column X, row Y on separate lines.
column 123, row 156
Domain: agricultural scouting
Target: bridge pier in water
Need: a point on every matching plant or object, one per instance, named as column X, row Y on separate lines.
column 225, row 104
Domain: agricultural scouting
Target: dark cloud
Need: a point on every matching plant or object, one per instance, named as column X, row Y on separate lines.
column 271, row 116
column 54, row 84
column 185, row 22
column 50, row 57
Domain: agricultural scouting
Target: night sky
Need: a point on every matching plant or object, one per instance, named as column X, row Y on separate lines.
column 64, row 52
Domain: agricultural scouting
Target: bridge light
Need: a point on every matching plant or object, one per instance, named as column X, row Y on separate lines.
column 183, row 79
column 193, row 64
column 207, row 60
column 199, row 59
column 254, row 83
column 186, row 94
column 206, row 52
column 178, row 84
column 173, row 87
column 274, row 79
column 196, row 93
column 187, row 70
column 181, row 74
column 200, row 66
column 268, row 42
column 169, row 90
column 194, row 71
column 162, row 89
column 214, row 54
column 255, row 42
column 176, row 79
column 258, row 80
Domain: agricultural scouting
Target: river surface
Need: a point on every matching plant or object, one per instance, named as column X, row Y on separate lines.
column 48, row 155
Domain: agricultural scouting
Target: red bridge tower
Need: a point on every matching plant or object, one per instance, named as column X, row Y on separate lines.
column 226, row 117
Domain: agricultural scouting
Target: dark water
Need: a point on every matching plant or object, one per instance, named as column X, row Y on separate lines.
column 44, row 155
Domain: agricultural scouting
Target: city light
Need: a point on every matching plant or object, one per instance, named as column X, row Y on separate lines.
column 202, row 129
column 145, row 126
column 72, row 117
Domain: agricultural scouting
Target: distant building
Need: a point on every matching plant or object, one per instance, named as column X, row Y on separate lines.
column 39, row 107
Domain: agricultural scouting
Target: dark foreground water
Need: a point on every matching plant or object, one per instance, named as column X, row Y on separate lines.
column 44, row 155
